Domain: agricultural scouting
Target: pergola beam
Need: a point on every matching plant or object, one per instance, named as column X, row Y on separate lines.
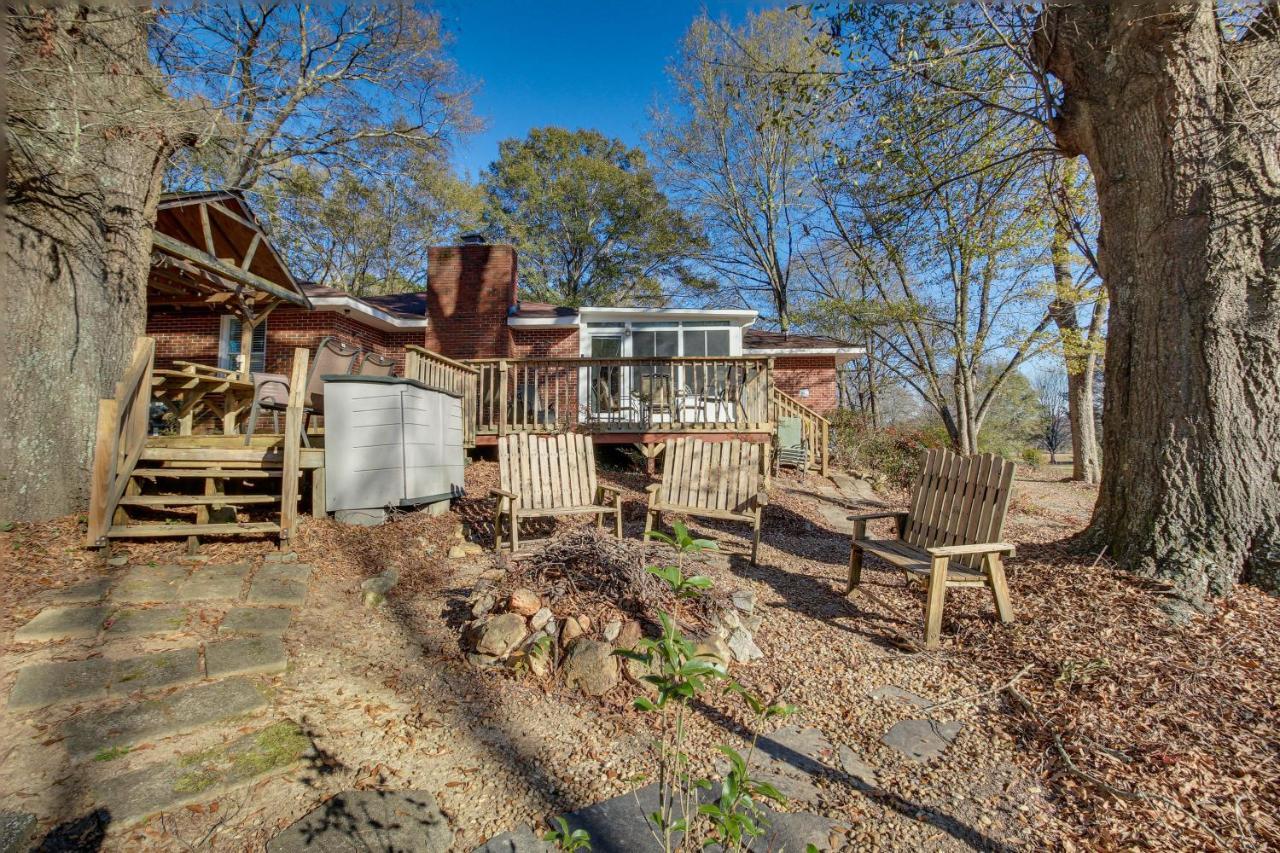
column 208, row 263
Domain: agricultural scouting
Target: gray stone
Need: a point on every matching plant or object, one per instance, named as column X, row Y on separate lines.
column 852, row 763
column 213, row 583
column 742, row 645
column 46, row 683
column 612, row 630
column 752, row 622
column 62, row 623
column 795, row 831
column 892, row 691
column 745, row 600
column 130, row 797
column 280, row 583
column 245, row 656
column 178, row 712
column 572, row 630
column 837, row 517
column 408, row 821
column 256, row 620
column 621, row 824
column 630, row 634
column 279, row 557
column 483, row 604
column 483, row 660
column 539, row 620
column 714, row 649
column 457, row 552
column 16, row 830
column 522, row 840
column 81, row 593
column 361, row 517
column 500, row 635
column 790, row 758
column 144, row 584
column 921, row 740
column 591, row 667
column 375, row 589
column 157, row 620
column 118, row 561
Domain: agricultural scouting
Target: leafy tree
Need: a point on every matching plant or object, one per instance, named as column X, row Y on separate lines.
column 589, row 220
column 732, row 152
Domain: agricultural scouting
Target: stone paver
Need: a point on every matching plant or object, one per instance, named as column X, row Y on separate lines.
column 16, row 831
column 245, row 656
column 280, row 583
column 892, row 691
column 143, row 584
column 62, row 623
column 837, row 517
column 921, row 740
column 852, row 763
column 157, row 620
column 200, row 776
column 46, row 683
column 790, row 758
column 522, row 840
column 256, row 620
column 213, row 583
column 152, row 718
column 407, row 821
column 81, row 593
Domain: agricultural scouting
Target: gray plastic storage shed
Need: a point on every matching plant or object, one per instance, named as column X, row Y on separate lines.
column 390, row 442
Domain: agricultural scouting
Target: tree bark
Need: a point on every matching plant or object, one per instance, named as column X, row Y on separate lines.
column 1079, row 358
column 88, row 130
column 1181, row 127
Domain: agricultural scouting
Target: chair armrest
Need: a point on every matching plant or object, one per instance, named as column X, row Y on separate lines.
column 966, row 550
column 502, row 493
column 653, row 488
column 872, row 516
column 613, row 490
column 762, row 498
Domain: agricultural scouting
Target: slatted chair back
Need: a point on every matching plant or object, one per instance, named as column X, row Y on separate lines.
column 722, row 476
column 548, row 471
column 959, row 500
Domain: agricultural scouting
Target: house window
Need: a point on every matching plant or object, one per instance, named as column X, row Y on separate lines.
column 229, row 346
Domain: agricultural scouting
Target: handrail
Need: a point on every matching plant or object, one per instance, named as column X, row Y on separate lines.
column 120, row 439
column 817, row 429
column 432, row 368
column 443, row 359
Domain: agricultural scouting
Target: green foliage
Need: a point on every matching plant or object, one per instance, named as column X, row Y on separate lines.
column 567, row 840
column 1032, row 457
column 589, row 220
column 894, row 452
column 677, row 674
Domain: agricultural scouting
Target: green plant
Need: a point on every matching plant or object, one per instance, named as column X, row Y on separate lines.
column 569, row 841
column 112, row 754
column 678, row 673
column 1031, row 456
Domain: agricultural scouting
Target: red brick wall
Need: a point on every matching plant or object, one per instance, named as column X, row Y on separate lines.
column 544, row 343
column 469, row 291
column 184, row 336
column 815, row 372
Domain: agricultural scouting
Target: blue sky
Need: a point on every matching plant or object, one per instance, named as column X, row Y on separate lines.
column 567, row 62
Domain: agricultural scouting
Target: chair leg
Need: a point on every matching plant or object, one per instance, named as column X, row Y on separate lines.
column 999, row 587
column 617, row 517
column 933, row 607
column 253, row 424
column 515, row 531
column 855, row 568
column 497, row 524
column 275, row 421
column 755, row 538
column 650, row 520
column 306, row 417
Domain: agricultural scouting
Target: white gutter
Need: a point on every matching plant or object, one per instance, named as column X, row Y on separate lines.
column 563, row 320
column 744, row 317
column 373, row 316
column 846, row 351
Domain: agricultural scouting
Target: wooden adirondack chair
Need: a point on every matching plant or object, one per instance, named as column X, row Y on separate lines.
column 712, row 479
column 549, row 475
column 950, row 535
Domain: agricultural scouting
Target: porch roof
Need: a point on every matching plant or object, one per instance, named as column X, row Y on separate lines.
column 771, row 343
column 392, row 311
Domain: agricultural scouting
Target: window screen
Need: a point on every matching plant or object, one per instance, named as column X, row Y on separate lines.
column 257, row 355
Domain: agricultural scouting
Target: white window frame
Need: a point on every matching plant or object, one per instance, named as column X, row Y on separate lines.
column 224, row 343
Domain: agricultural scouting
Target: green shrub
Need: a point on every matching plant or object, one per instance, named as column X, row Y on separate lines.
column 892, row 451
column 1031, row 457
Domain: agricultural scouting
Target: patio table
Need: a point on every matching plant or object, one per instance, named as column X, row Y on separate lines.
column 224, row 394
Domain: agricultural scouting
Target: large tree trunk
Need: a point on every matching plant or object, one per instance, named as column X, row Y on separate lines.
column 1182, row 130
column 1079, row 358
column 88, row 129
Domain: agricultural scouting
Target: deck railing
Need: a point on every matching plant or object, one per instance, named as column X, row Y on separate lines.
column 120, row 440
column 640, row 395
column 433, row 369
column 815, row 429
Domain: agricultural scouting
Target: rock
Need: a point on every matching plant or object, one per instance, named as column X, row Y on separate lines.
column 457, row 552
column 753, row 622
column 591, row 667
column 540, row 619
column 852, row 763
column 630, row 634
column 369, row 820
column 281, row 557
column 716, row 650
column 921, row 740
column 482, row 660
column 539, row 659
column 726, row 622
column 483, row 605
column 500, row 635
column 118, row 561
column 892, row 691
column 524, row 601
column 459, row 533
column 375, row 588
column 612, row 630
column 572, row 630
column 585, row 621
column 472, row 549
column 16, row 829
column 635, row 672
column 522, row 840
column 745, row 600
column 742, row 645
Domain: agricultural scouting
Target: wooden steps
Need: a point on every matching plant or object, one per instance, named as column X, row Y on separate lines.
column 208, row 473
column 122, row 531
column 164, row 501
column 257, row 455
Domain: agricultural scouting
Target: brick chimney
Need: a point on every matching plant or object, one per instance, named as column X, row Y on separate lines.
column 470, row 288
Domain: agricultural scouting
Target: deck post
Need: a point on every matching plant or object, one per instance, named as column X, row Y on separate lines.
column 293, row 427
column 502, row 397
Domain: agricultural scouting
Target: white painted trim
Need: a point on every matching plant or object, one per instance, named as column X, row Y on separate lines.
column 524, row 322
column 845, row 351
column 370, row 315
column 592, row 314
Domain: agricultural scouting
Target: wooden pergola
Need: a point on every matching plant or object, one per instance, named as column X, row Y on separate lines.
column 208, row 250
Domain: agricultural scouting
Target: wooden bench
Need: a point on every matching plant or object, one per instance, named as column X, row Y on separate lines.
column 712, row 479
column 951, row 534
column 550, row 475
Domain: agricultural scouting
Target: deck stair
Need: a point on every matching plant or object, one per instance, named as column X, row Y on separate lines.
column 189, row 485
